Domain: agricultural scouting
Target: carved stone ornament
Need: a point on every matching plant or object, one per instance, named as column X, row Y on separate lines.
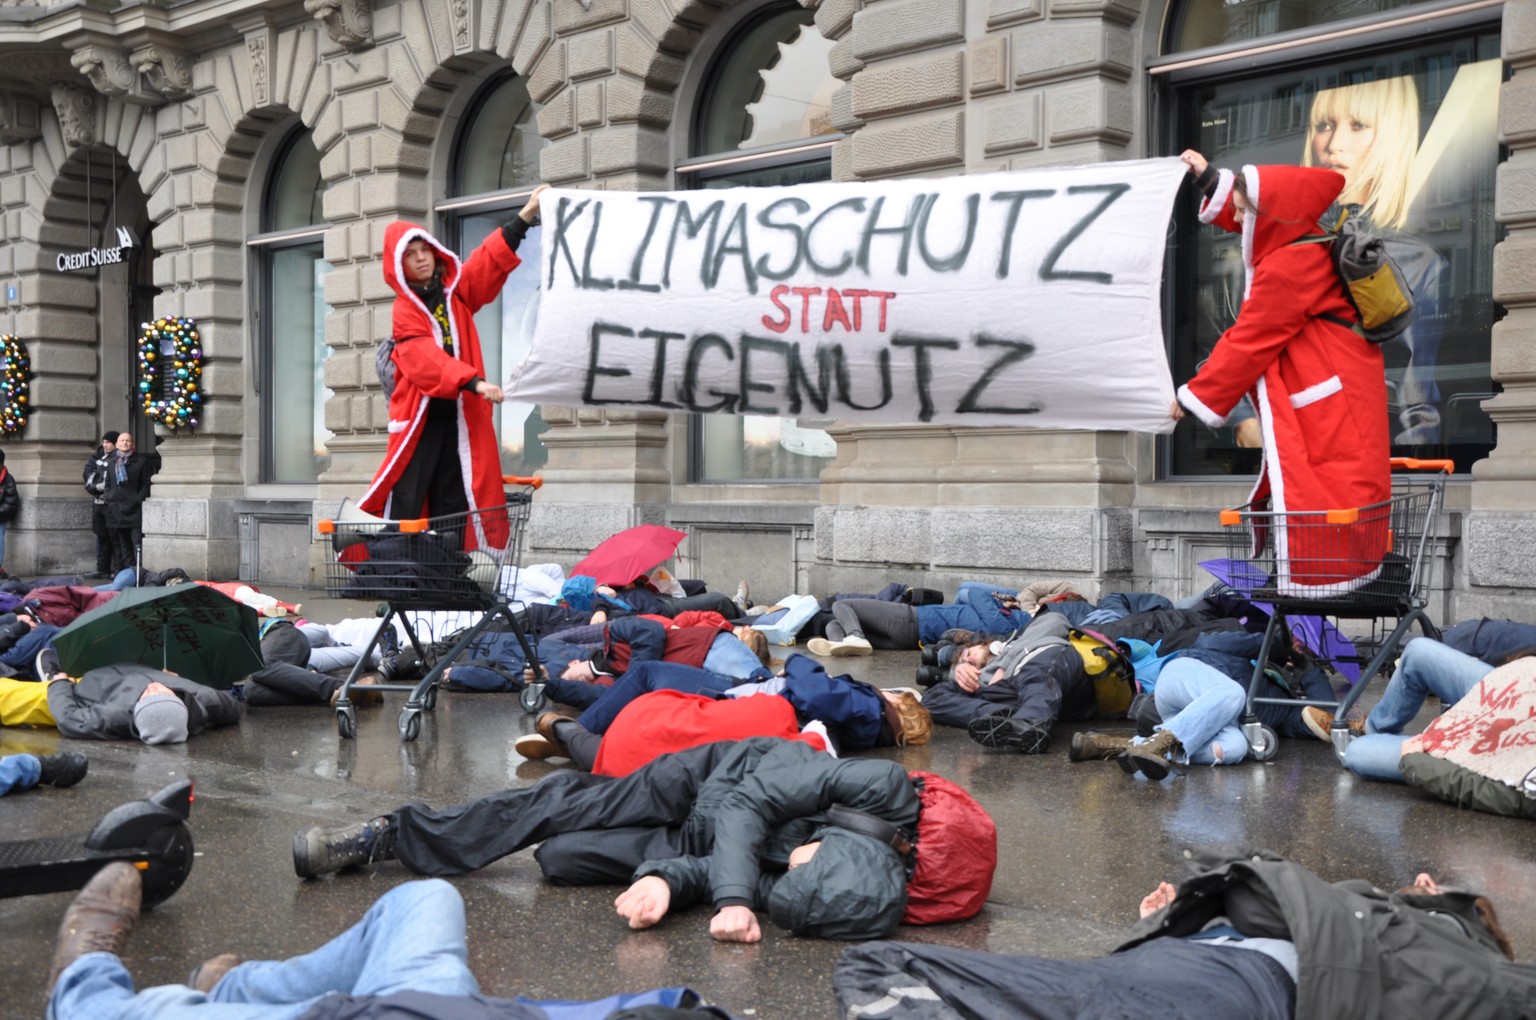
column 19, row 119
column 76, row 108
column 459, row 10
column 109, row 70
column 261, row 89
column 168, row 71
column 349, row 23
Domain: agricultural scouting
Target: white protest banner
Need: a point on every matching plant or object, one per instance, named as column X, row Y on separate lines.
column 1029, row 299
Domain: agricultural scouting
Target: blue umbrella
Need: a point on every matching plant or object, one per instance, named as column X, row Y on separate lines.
column 1316, row 632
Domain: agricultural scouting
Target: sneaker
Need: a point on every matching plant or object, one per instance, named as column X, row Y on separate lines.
column 742, row 599
column 100, row 918
column 320, row 851
column 851, row 645
column 210, row 971
column 1002, row 732
column 819, row 646
column 1320, row 724
column 64, row 769
column 47, row 663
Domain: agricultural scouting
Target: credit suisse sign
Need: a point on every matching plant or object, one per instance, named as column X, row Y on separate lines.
column 93, row 257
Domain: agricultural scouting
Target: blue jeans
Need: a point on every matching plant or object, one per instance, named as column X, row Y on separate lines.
column 412, row 938
column 19, row 772
column 1200, row 705
column 125, row 578
column 643, row 678
column 730, row 656
column 1427, row 667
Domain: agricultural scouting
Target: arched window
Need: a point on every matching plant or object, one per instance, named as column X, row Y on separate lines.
column 763, row 118
column 495, row 164
column 291, row 316
column 1408, row 114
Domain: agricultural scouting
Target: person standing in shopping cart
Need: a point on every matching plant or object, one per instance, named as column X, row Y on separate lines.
column 442, row 457
column 1318, row 386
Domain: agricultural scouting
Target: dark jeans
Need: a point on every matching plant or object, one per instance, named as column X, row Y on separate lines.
column 886, row 625
column 594, row 829
column 103, row 538
column 433, row 481
column 643, row 678
column 125, row 547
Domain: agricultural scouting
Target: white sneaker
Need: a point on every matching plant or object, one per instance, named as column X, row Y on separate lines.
column 820, row 646
column 852, row 645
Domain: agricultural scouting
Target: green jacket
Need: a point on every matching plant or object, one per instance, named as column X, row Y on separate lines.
column 1465, row 788
column 1362, row 953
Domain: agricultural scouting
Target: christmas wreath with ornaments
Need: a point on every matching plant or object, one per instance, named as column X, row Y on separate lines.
column 171, row 372
column 15, row 382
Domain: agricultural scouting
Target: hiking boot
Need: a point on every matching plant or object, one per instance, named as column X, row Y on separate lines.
column 1320, row 723
column 100, row 918
column 1090, row 746
column 1002, row 732
column 543, row 743
column 320, row 851
column 1151, row 757
column 210, row 971
column 63, row 769
column 361, row 697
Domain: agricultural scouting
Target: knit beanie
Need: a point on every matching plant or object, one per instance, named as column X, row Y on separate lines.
column 161, row 719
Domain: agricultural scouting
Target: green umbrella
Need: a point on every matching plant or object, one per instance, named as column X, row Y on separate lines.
column 190, row 629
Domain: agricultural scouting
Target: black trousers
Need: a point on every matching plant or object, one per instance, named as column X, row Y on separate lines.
column 595, row 829
column 434, row 479
column 103, row 537
column 286, row 679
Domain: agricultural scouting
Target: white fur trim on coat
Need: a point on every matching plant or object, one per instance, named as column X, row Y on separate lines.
column 1198, row 408
column 1312, row 394
column 1211, row 207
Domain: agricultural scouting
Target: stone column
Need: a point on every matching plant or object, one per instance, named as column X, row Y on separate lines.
column 1501, row 528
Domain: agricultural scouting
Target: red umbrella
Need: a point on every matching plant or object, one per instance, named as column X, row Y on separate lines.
column 621, row 558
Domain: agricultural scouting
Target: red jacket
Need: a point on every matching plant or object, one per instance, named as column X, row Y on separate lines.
column 423, row 369
column 1319, row 388
column 660, row 722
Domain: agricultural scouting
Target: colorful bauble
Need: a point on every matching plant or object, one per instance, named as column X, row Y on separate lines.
column 15, row 384
column 170, row 370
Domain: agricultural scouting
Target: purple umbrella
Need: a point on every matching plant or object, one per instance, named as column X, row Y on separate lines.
column 1319, row 635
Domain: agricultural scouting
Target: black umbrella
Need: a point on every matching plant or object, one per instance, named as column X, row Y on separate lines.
column 190, row 629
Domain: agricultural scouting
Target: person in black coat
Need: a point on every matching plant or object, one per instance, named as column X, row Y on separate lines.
column 128, row 480
column 10, row 506
column 95, row 478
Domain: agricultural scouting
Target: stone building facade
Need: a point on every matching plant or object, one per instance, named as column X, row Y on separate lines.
column 176, row 120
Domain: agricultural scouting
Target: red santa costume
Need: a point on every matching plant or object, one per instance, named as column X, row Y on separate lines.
column 1319, row 388
column 425, row 369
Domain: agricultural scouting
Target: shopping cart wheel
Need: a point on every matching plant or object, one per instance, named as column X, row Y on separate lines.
column 532, row 698
column 1262, row 743
column 346, row 723
column 429, row 699
column 410, row 723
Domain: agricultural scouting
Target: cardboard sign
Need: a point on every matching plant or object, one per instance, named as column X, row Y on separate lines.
column 1492, row 729
column 1029, row 299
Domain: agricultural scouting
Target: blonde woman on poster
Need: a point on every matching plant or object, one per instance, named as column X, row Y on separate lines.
column 1369, row 132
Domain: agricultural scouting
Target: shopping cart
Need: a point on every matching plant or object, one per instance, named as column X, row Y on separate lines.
column 1328, row 565
column 421, row 565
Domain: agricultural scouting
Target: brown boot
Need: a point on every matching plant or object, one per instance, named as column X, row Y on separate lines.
column 1152, row 758
column 1089, row 746
column 211, row 970
column 100, row 918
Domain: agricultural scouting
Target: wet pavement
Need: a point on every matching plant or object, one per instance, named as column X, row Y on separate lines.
column 1080, row 845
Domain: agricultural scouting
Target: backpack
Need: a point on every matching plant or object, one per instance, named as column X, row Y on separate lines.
column 384, row 363
column 1373, row 281
column 1109, row 670
column 956, row 854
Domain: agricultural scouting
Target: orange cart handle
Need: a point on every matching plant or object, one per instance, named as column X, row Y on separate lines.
column 532, row 481
column 1414, row 464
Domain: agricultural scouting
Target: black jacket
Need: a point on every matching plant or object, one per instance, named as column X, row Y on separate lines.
column 125, row 499
column 766, row 797
column 100, row 706
column 10, row 500
column 1362, row 953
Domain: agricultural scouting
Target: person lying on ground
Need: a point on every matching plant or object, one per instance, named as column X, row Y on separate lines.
column 859, row 626
column 742, row 826
column 120, row 702
column 854, row 716
column 639, row 597
column 287, row 679
column 584, row 669
column 24, row 771
column 1427, row 668
column 406, row 957
column 1252, row 936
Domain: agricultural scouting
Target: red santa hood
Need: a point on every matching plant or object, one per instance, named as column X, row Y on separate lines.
column 1290, row 200
column 397, row 236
